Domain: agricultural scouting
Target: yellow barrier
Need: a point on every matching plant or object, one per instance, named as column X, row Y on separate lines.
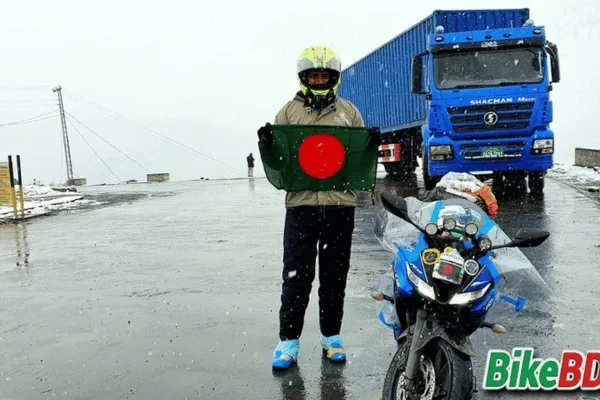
column 8, row 194
column 20, row 181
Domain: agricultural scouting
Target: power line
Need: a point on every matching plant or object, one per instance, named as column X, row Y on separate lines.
column 107, row 142
column 92, row 148
column 94, row 151
column 31, row 119
column 28, row 101
column 28, row 105
column 124, row 119
column 40, row 87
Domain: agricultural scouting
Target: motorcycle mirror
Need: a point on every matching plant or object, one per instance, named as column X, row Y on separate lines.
column 398, row 207
column 526, row 238
column 530, row 237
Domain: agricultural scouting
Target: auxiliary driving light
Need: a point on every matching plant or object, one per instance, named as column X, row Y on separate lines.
column 449, row 224
column 471, row 229
column 485, row 243
column 431, row 229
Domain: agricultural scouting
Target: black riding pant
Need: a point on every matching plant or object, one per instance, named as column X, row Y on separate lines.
column 326, row 231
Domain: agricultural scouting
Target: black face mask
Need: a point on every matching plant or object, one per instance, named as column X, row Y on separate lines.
column 319, row 102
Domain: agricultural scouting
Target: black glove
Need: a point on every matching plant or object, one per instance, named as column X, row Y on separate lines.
column 374, row 137
column 265, row 133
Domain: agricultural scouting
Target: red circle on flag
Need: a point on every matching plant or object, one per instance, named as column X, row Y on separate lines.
column 321, row 155
column 448, row 270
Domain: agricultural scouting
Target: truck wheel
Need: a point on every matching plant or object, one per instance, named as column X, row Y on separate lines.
column 389, row 168
column 399, row 169
column 536, row 182
column 428, row 181
column 510, row 183
column 498, row 185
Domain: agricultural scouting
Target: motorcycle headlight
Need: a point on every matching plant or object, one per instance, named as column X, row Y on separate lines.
column 460, row 299
column 423, row 287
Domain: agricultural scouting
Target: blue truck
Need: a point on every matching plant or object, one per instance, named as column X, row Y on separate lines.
column 467, row 91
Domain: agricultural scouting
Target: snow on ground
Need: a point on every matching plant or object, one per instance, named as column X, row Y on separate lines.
column 45, row 191
column 587, row 178
column 41, row 200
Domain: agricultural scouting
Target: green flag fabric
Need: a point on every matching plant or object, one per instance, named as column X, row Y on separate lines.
column 320, row 158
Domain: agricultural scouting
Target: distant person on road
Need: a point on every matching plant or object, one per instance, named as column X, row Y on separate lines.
column 250, row 160
column 320, row 222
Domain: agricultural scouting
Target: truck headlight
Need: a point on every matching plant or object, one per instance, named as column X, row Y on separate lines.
column 543, row 146
column 440, row 152
column 423, row 287
column 460, row 299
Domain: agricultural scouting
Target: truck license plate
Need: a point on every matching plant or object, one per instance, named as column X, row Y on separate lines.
column 492, row 152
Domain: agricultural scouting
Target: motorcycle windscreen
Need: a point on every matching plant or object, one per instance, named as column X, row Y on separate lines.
column 519, row 277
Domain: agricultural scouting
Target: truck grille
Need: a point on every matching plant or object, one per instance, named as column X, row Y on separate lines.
column 476, row 151
column 509, row 117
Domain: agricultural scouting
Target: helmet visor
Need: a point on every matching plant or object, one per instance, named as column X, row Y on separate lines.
column 319, row 79
column 307, row 63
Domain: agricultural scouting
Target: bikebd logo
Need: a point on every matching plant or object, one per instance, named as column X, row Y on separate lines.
column 521, row 371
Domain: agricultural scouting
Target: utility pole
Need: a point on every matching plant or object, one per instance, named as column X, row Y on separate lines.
column 65, row 136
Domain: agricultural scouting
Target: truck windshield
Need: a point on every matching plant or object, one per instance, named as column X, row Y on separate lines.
column 489, row 67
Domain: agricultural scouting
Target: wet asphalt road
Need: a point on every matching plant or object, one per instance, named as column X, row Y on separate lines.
column 173, row 294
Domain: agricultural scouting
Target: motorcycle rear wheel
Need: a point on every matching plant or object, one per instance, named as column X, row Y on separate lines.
column 444, row 374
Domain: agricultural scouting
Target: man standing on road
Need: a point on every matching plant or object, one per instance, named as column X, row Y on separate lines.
column 315, row 221
column 250, row 160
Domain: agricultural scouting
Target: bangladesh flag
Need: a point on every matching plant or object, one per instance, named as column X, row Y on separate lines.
column 320, row 158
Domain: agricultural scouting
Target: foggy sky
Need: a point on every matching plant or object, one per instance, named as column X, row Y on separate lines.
column 208, row 74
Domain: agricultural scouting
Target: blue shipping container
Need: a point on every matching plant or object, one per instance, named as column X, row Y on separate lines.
column 380, row 83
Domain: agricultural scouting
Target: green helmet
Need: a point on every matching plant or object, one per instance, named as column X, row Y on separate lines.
column 320, row 59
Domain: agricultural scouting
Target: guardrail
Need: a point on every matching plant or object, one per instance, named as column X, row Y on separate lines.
column 587, row 157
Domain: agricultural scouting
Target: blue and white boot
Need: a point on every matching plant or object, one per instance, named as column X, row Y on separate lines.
column 333, row 348
column 285, row 354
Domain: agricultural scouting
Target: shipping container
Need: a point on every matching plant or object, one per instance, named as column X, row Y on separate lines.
column 380, row 83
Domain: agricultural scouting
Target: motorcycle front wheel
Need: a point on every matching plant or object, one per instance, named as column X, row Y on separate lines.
column 444, row 374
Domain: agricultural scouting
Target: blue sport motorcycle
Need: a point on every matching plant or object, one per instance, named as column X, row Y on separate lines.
column 442, row 283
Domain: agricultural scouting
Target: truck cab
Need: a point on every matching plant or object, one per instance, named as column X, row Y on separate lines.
column 488, row 99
